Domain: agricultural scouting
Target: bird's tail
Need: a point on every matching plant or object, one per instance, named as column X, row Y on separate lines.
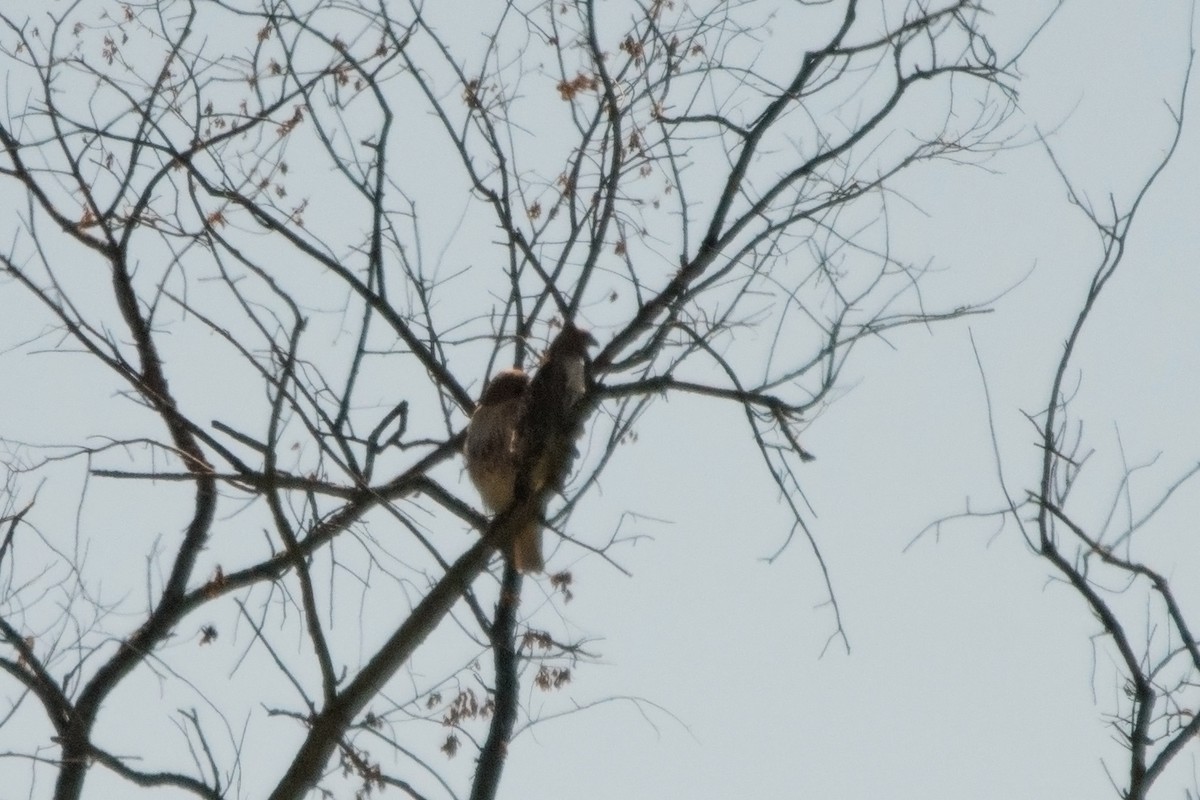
column 527, row 548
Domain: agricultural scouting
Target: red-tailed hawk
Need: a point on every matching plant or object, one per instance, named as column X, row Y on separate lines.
column 521, row 437
column 493, row 459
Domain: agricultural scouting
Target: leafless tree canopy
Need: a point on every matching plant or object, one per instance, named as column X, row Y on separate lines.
column 258, row 263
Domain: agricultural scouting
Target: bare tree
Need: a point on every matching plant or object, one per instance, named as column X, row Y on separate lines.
column 1104, row 551
column 277, row 249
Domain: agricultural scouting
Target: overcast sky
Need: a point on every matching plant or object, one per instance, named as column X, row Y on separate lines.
column 969, row 673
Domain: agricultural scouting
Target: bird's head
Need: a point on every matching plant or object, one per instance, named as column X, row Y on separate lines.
column 572, row 341
column 505, row 385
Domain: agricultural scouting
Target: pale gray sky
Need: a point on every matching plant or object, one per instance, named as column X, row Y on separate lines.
column 970, row 674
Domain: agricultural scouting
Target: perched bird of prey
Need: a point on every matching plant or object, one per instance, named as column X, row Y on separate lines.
column 491, row 451
column 521, row 439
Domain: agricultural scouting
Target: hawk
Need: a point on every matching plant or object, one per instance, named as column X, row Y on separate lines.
column 521, row 437
column 493, row 458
